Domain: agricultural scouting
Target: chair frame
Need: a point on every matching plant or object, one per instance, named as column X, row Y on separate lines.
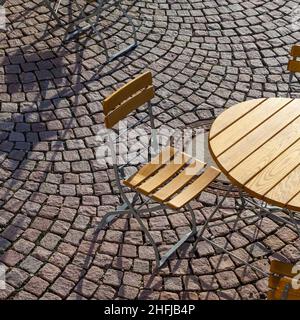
column 264, row 211
column 280, row 282
column 131, row 208
column 101, row 6
column 295, row 53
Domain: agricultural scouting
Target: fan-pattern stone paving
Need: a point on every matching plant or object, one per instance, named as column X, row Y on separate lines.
column 205, row 56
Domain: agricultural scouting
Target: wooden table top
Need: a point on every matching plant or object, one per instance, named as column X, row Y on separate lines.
column 256, row 144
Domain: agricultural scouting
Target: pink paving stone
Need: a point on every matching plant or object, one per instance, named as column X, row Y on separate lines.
column 72, row 202
column 159, row 223
column 81, row 222
column 50, row 241
column 4, row 294
column 60, row 227
column 24, row 295
column 60, row 260
column 241, row 256
column 114, row 236
column 173, row 284
column 246, row 274
column 49, row 272
column 73, row 273
column 23, row 246
column 166, row 295
column 31, row 234
column 67, row 214
column 227, row 279
column 82, row 260
column 11, row 257
column 41, row 224
column 204, row 249
column 31, row 264
column 210, row 295
column 248, row 292
column 178, row 220
column 87, row 210
column 188, row 295
column 133, row 237
column 180, row 266
column 153, row 282
column 88, row 247
column 74, row 236
column 201, row 266
column 16, row 277
column 221, row 262
column 128, row 292
column 237, row 240
column 113, row 277
column 132, row 279
column 273, row 242
column 286, row 234
column 128, row 250
column 86, row 288
column 122, row 263
column 66, row 249
column 50, row 296
column 208, row 282
column 109, row 248
column 148, row 295
column 230, row 294
column 13, row 205
column 41, row 253
column 62, row 287
column 105, row 293
column 11, row 233
column 191, row 282
column 95, row 274
column 36, row 286
column 141, row 266
column 146, row 253
column 103, row 260
column 49, row 212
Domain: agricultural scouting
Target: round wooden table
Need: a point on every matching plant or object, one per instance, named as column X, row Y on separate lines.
column 256, row 144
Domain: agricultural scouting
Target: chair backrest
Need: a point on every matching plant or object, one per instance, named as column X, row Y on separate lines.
column 127, row 99
column 280, row 282
column 294, row 65
column 295, row 51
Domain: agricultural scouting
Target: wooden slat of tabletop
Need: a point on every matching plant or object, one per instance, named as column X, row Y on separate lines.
column 258, row 137
column 246, row 124
column 286, row 189
column 267, row 153
column 233, row 114
column 271, row 175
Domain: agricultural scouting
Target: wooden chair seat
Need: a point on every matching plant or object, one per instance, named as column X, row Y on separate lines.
column 280, row 282
column 172, row 178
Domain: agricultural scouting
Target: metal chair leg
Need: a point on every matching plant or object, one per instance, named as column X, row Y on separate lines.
column 48, row 5
column 294, row 222
column 110, row 216
column 147, row 233
column 132, row 46
column 199, row 236
column 290, row 82
column 183, row 239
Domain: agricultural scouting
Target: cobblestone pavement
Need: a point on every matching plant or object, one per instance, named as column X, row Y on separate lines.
column 205, row 56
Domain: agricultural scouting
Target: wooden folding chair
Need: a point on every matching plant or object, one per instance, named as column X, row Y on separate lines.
column 293, row 64
column 171, row 179
column 282, row 281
